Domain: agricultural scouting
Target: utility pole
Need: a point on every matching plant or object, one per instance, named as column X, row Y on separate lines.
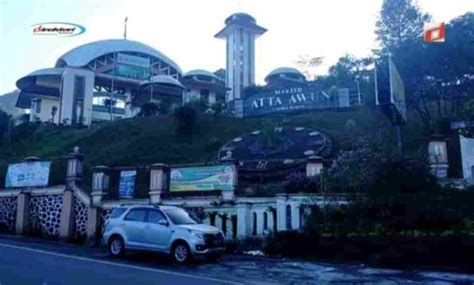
column 125, row 29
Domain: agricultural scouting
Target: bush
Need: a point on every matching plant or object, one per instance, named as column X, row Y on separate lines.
column 298, row 182
column 185, row 117
column 153, row 109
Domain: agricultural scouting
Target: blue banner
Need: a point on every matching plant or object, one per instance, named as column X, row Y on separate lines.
column 127, row 183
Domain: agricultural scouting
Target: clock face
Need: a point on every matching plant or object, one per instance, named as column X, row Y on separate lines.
column 283, row 147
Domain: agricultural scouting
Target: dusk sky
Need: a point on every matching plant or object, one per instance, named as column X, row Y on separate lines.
column 184, row 30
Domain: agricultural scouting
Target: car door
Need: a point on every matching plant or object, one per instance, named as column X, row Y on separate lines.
column 158, row 235
column 134, row 227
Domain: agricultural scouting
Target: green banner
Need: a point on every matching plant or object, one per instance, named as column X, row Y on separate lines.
column 203, row 178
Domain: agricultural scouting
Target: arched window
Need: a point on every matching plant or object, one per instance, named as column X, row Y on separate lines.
column 234, row 226
column 274, row 220
column 265, row 221
column 254, row 224
column 224, row 224
column 302, row 216
column 288, row 217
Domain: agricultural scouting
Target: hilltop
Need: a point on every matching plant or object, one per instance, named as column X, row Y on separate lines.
column 143, row 141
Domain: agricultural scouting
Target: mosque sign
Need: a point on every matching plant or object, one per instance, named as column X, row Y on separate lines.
column 286, row 100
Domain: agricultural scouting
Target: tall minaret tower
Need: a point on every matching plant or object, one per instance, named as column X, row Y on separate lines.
column 240, row 32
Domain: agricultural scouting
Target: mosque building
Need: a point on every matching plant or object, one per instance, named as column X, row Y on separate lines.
column 114, row 79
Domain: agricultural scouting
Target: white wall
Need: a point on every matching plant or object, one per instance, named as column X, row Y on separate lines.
column 47, row 104
column 467, row 156
column 67, row 92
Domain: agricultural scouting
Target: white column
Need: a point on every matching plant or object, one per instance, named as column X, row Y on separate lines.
column 260, row 221
column 243, row 220
column 218, row 221
column 281, row 213
column 230, row 227
column 295, row 215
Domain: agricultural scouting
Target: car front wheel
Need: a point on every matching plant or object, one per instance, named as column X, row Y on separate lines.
column 181, row 253
column 116, row 247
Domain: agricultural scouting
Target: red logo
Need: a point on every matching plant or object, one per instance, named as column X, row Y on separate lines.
column 434, row 33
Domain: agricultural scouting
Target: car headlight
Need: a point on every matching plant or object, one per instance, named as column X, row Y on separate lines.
column 197, row 235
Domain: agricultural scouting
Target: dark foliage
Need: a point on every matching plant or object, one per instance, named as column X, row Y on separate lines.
column 5, row 122
column 185, row 118
column 152, row 109
column 298, row 182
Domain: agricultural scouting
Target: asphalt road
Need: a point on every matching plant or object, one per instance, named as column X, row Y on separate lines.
column 35, row 261
column 25, row 265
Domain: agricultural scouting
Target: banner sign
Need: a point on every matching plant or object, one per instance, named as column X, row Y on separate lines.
column 127, row 183
column 268, row 100
column 203, row 178
column 397, row 91
column 131, row 66
column 28, row 174
column 133, row 60
column 467, row 157
column 390, row 92
column 285, row 101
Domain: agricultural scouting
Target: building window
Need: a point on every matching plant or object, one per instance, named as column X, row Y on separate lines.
column 204, row 95
column 302, row 217
column 37, row 105
column 288, row 217
column 78, row 99
column 224, row 224
column 234, row 225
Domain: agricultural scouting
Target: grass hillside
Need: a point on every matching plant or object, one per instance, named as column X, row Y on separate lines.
column 142, row 141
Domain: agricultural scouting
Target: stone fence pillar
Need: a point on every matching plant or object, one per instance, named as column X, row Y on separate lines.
column 438, row 156
column 100, row 184
column 158, row 181
column 100, row 189
column 314, row 166
column 73, row 179
column 22, row 225
column 74, row 168
column 243, row 220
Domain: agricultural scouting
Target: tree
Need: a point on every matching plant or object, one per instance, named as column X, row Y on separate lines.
column 152, row 109
column 308, row 65
column 438, row 78
column 400, row 21
column 353, row 171
column 185, row 118
column 110, row 103
column 5, row 122
column 349, row 69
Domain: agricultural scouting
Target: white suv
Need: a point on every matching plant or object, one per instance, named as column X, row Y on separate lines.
column 166, row 229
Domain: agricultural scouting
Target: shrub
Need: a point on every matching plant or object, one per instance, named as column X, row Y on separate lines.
column 298, row 182
column 185, row 117
column 153, row 109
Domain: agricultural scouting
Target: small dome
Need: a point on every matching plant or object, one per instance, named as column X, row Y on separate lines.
column 201, row 72
column 240, row 18
column 285, row 72
column 163, row 79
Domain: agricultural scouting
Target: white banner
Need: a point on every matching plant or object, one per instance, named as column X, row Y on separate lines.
column 467, row 156
column 28, row 174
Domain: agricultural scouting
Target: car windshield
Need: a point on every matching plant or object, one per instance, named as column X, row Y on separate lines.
column 180, row 217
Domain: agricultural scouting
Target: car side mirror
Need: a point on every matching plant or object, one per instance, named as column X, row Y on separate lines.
column 163, row 222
